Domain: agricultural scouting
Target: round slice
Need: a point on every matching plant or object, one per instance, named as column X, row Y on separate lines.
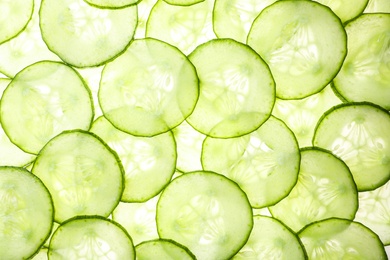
column 341, row 239
column 207, row 213
column 149, row 163
column 297, row 46
column 25, row 202
column 270, row 239
column 359, row 134
column 14, row 17
column 83, row 35
column 365, row 74
column 264, row 163
column 325, row 189
column 43, row 100
column 237, row 90
column 149, row 89
column 162, row 249
column 91, row 237
column 83, row 175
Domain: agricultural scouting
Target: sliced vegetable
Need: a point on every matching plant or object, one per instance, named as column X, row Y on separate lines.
column 359, row 134
column 83, row 175
column 149, row 89
column 91, row 237
column 365, row 74
column 207, row 213
column 341, row 239
column 297, row 45
column 42, row 100
column 264, row 166
column 237, row 91
column 25, row 201
column 163, row 249
column 83, row 35
column 325, row 189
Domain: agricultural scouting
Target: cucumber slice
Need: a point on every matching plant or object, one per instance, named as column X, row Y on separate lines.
column 207, row 213
column 26, row 48
column 302, row 115
column 270, row 239
column 183, row 2
column 162, row 249
column 112, row 4
column 91, row 237
column 10, row 154
column 25, row 201
column 365, row 74
column 359, row 134
column 83, row 35
column 189, row 147
column 182, row 26
column 325, row 189
column 149, row 89
column 345, row 9
column 83, row 175
column 234, row 18
column 374, row 211
column 139, row 219
column 237, row 91
column 43, row 100
column 378, row 6
column 14, row 18
column 149, row 163
column 42, row 254
column 297, row 45
column 341, row 239
column 264, row 163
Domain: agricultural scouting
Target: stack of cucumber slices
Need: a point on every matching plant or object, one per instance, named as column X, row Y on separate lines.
column 194, row 129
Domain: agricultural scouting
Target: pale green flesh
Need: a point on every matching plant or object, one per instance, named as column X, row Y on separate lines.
column 341, row 239
column 325, row 189
column 183, row 2
column 264, row 166
column 83, row 35
column 374, row 211
column 162, row 249
column 234, row 18
column 10, row 154
column 236, row 89
column 182, row 26
column 365, row 74
column 302, row 115
column 145, row 93
column 15, row 14
column 199, row 210
column 144, row 159
column 91, row 238
column 82, row 174
column 270, row 239
column 359, row 134
column 43, row 100
column 26, row 48
column 297, row 45
column 139, row 219
column 20, row 211
column 377, row 6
